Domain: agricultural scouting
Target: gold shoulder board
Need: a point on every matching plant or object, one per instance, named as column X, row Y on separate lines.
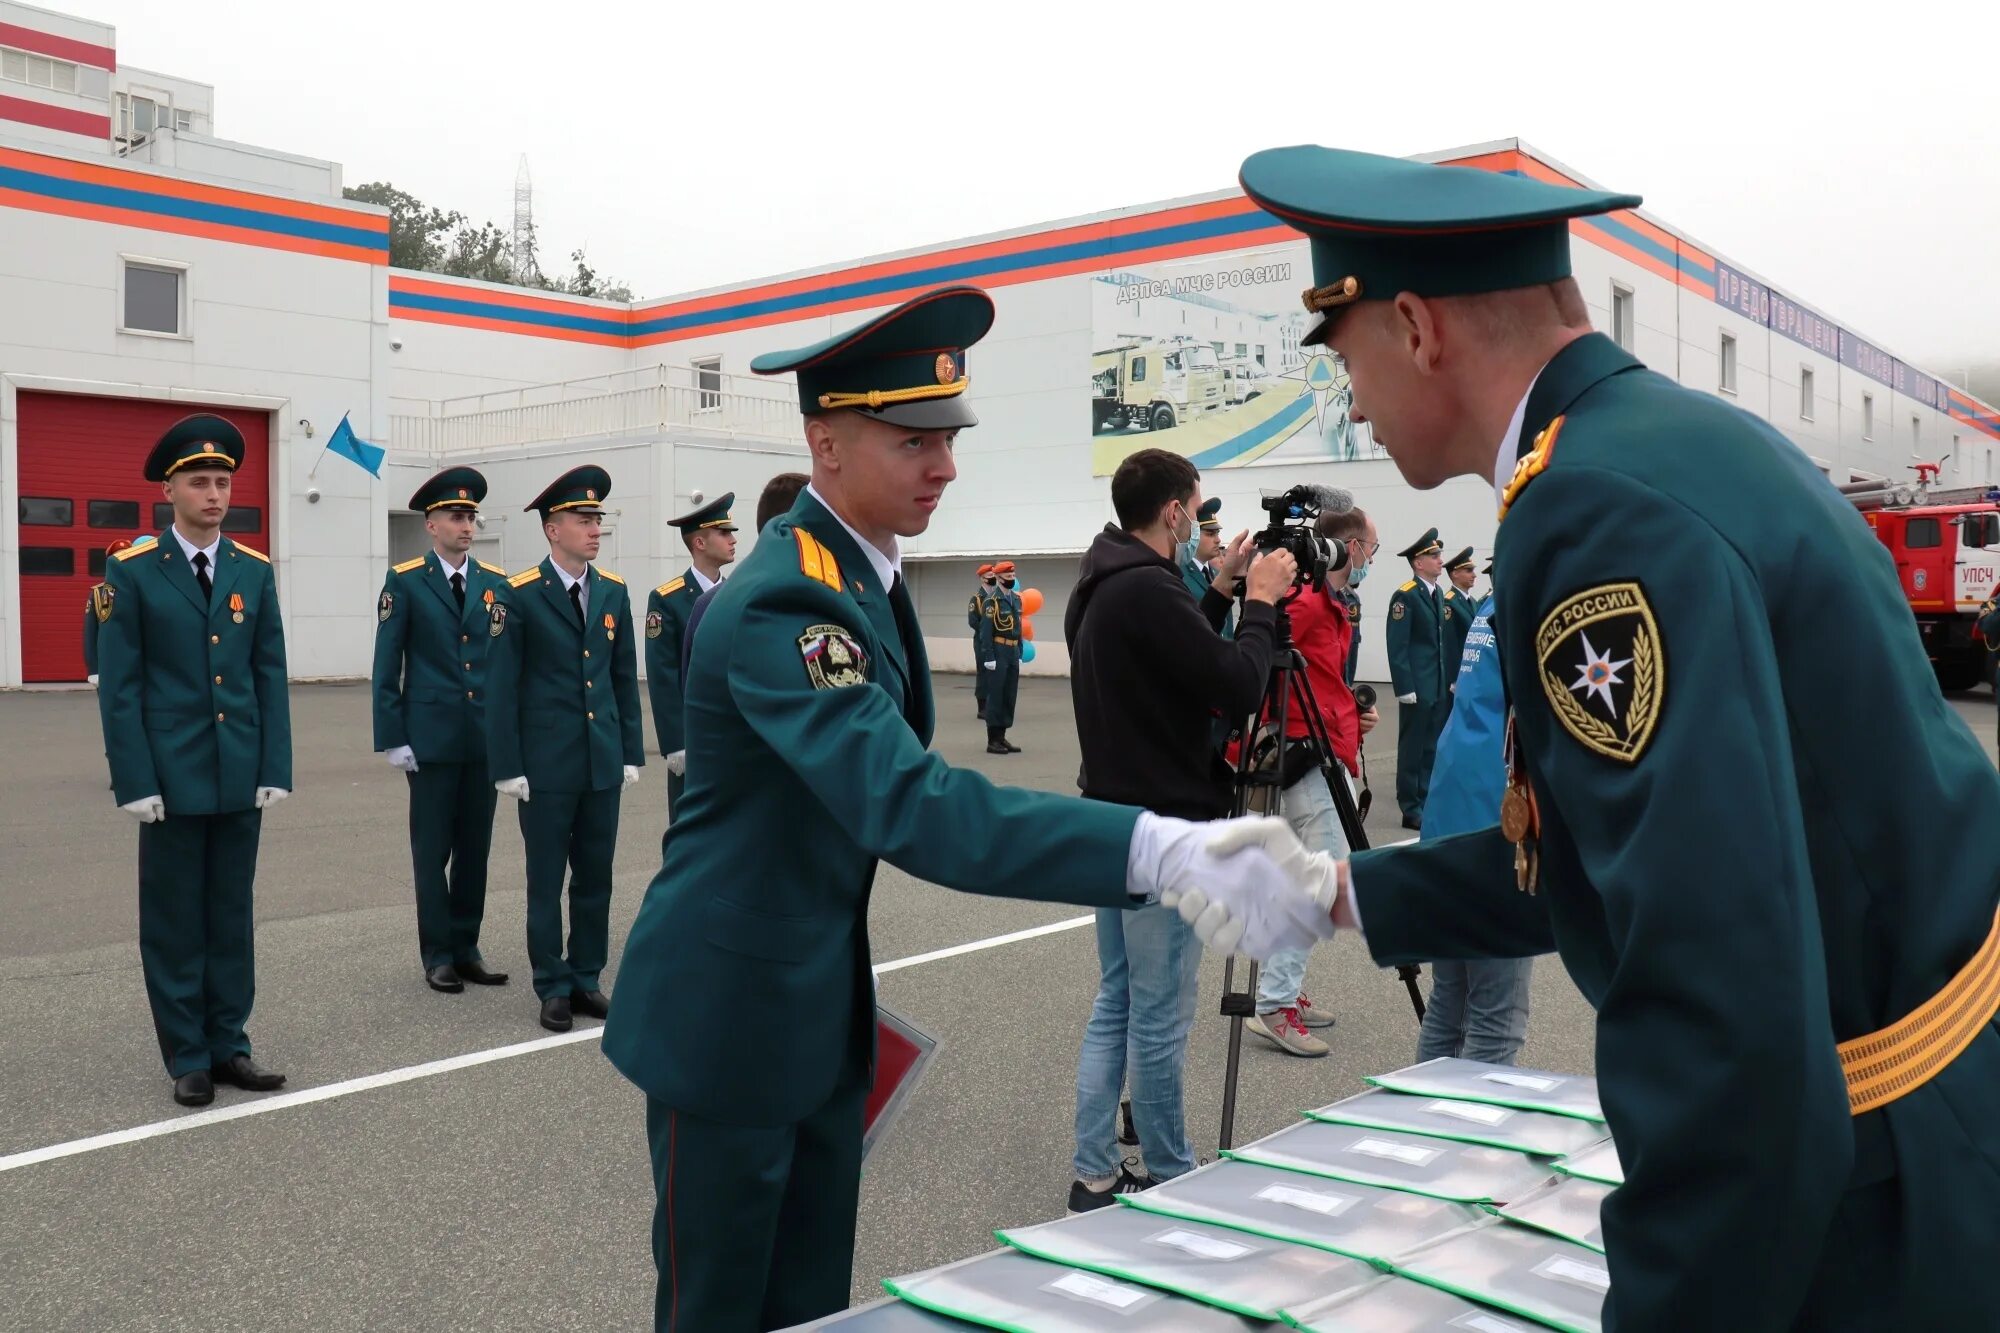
column 607, row 574
column 131, row 551
column 493, row 569
column 669, row 589
column 252, row 552
column 409, row 565
column 524, row 578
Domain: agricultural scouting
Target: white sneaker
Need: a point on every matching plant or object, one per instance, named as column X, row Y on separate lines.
column 1284, row 1030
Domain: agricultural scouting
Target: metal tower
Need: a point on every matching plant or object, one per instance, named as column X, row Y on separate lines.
column 525, row 268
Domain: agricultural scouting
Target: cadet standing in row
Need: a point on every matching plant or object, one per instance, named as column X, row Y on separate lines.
column 430, row 721
column 563, row 736
column 1196, row 556
column 1459, row 609
column 1003, row 661
column 96, row 604
column 982, row 638
column 710, row 537
column 1415, row 640
column 197, row 724
column 1788, row 930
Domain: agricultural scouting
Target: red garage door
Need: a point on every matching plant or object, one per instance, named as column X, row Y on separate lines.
column 83, row 487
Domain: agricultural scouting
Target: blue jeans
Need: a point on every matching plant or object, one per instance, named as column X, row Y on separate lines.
column 1149, row 962
column 1477, row 1011
column 1308, row 807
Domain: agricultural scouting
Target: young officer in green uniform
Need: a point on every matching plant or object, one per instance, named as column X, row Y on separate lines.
column 1416, row 640
column 430, row 721
column 809, row 713
column 563, row 736
column 1003, row 658
column 1459, row 609
column 710, row 537
column 1787, row 929
column 198, row 727
column 981, row 626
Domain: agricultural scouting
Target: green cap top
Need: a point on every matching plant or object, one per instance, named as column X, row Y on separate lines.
column 1463, row 560
column 1383, row 225
column 906, row 367
column 581, row 488
column 453, row 488
column 714, row 514
column 203, row 440
column 1207, row 515
column 1428, row 544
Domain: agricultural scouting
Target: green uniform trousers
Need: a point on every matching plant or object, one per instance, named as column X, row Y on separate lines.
column 577, row 830
column 1418, row 726
column 195, row 875
column 1002, row 688
column 676, row 784
column 981, row 683
column 754, row 1228
column 451, row 832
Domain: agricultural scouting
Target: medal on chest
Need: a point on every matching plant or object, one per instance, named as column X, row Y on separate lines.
column 1520, row 817
column 236, row 607
column 610, row 627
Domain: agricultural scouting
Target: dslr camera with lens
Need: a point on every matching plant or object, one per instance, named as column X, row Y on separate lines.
column 1291, row 529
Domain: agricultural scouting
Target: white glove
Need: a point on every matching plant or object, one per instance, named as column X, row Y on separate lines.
column 93, row 681
column 1317, row 874
column 514, row 787
column 401, row 757
column 147, row 809
column 1406, row 698
column 631, row 776
column 677, row 763
column 991, row 666
column 270, row 796
column 1224, row 881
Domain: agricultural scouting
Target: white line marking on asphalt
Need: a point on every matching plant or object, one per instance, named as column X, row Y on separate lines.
column 284, row 1101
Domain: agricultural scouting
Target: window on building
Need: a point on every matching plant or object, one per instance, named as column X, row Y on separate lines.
column 1805, row 393
column 243, row 518
column 47, row 561
column 708, row 383
column 114, row 513
column 183, row 120
column 1728, row 382
column 37, row 71
column 1218, row 347
column 1621, row 316
column 44, row 512
column 1242, row 349
column 153, row 298
column 1867, row 416
column 1261, row 349
column 1921, row 533
column 140, row 116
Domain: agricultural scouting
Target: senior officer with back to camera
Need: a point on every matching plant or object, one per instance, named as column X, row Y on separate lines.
column 808, row 715
column 196, row 710
column 1789, row 936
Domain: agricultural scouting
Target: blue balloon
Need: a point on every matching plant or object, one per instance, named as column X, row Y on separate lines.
column 1027, row 652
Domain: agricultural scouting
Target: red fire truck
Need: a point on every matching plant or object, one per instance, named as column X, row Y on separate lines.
column 1946, row 544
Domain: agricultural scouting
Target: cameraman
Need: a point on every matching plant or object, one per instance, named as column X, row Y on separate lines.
column 1322, row 630
column 1147, row 666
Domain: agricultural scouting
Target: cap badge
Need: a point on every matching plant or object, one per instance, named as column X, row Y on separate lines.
column 207, row 448
column 590, row 495
column 947, row 368
column 461, row 493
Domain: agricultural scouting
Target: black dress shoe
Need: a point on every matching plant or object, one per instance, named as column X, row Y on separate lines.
column 247, row 1074
column 591, row 1003
column 1415, row 822
column 196, row 1089
column 555, row 1013
column 445, row 978
column 1011, row 747
column 997, row 747
column 477, row 974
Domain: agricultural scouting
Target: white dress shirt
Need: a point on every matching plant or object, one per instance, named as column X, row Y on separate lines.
column 189, row 549
column 888, row 565
column 570, row 580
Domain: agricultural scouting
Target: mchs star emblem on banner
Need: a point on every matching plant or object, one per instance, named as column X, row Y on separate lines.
column 1603, row 668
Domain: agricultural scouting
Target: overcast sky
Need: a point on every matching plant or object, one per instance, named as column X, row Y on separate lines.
column 1852, row 163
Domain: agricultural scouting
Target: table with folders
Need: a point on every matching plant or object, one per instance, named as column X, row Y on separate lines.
column 1448, row 1196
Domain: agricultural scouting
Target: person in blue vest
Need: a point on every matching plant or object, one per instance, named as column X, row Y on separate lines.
column 1478, row 1010
column 197, row 721
column 710, row 537
column 1415, row 638
column 1003, row 657
column 429, row 685
column 981, row 626
column 809, row 716
column 1459, row 608
column 564, row 736
column 1790, row 931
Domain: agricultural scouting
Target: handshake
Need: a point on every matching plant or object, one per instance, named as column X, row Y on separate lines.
column 1246, row 885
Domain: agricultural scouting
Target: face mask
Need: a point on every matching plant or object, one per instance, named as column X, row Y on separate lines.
column 1184, row 538
column 1354, row 576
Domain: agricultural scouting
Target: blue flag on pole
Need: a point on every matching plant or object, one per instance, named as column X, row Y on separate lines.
column 349, row 446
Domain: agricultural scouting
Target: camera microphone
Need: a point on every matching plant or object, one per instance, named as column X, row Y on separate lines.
column 1332, row 500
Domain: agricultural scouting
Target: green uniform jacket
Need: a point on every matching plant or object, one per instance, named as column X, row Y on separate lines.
column 808, row 720
column 562, row 703
column 1415, row 641
column 981, row 625
column 1734, row 884
column 1459, row 608
column 195, row 704
column 667, row 609
column 430, row 661
column 1003, row 619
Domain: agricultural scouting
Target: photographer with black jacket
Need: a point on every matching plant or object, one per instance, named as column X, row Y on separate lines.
column 1148, row 670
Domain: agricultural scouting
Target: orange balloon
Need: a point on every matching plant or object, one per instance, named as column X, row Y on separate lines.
column 1031, row 600
column 1027, row 628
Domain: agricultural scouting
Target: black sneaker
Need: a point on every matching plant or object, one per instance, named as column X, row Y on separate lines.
column 1084, row 1199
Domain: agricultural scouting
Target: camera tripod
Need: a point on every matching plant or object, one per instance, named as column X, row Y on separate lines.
column 1258, row 788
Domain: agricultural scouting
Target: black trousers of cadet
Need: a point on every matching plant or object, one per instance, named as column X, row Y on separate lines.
column 1003, row 688
column 754, row 1226
column 451, row 832
column 195, row 875
column 577, row 831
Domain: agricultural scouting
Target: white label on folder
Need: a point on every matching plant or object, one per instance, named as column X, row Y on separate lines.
column 1524, row 1081
column 1407, row 1153
column 1326, row 1205
column 1202, row 1247
column 1486, row 1323
column 1592, row 1277
column 1474, row 1111
column 1103, row 1291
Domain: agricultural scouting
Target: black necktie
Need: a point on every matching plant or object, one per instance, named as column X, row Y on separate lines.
column 576, row 600
column 201, row 574
column 458, row 588
column 906, row 614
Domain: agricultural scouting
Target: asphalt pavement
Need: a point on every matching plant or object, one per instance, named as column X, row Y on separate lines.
column 513, row 1192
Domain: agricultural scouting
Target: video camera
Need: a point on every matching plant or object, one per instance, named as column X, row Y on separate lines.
column 1291, row 529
